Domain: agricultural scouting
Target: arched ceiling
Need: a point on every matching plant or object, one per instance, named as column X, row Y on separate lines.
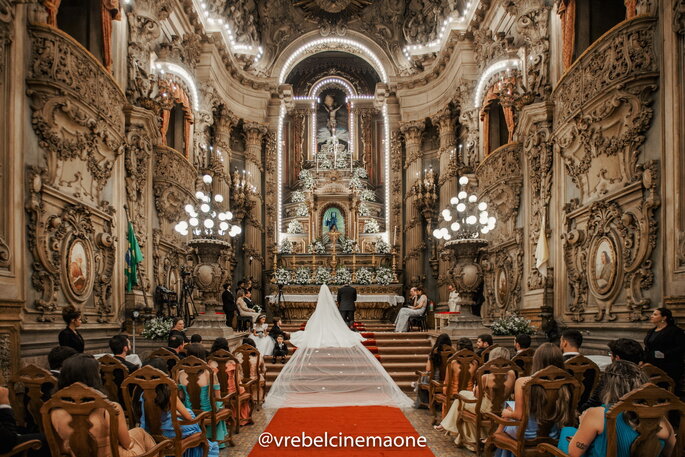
column 333, row 63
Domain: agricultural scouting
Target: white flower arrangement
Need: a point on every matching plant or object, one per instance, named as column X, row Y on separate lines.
column 307, row 179
column 342, row 161
column 295, row 227
column 367, row 195
column 384, row 275
column 282, row 277
column 297, row 196
column 286, row 247
column 371, row 226
column 322, row 276
column 512, row 325
column 364, row 210
column 301, row 210
column 302, row 276
column 317, row 247
column 364, row 276
column 325, row 163
column 356, row 183
column 343, row 276
column 382, row 247
column 360, row 173
column 347, row 245
column 157, row 328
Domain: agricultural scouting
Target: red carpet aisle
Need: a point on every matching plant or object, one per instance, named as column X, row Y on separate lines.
column 353, row 421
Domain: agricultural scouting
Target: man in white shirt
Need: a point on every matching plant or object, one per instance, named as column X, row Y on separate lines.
column 570, row 343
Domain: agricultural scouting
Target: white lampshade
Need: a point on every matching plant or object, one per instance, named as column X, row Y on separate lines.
column 462, row 195
column 471, row 220
column 444, row 231
column 229, row 215
column 437, row 233
column 207, row 179
column 183, row 225
column 461, row 207
column 455, row 226
column 482, row 206
column 492, row 221
column 178, row 228
column 237, row 229
column 448, row 217
column 446, row 213
column 447, row 236
column 209, row 223
column 204, row 208
column 454, row 201
column 484, row 230
column 463, row 180
column 189, row 208
column 222, row 216
column 472, row 198
column 200, row 195
column 223, row 225
column 193, row 221
column 218, row 198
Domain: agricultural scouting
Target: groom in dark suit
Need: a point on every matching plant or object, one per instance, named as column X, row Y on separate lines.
column 347, row 295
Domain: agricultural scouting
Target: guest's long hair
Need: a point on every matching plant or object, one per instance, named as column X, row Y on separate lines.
column 665, row 312
column 442, row 340
column 547, row 355
column 620, row 378
column 464, row 343
column 219, row 343
column 81, row 368
column 163, row 394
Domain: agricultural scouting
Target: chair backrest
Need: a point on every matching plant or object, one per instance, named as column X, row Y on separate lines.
column 113, row 373
column 29, row 389
column 79, row 401
column 147, row 381
column 499, row 368
column 524, row 360
column 658, row 376
column 243, row 354
column 647, row 406
column 586, row 372
column 446, row 352
column 485, row 355
column 171, row 358
column 194, row 367
column 222, row 357
column 551, row 380
column 464, row 360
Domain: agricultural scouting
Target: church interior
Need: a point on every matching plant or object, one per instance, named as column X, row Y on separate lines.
column 509, row 172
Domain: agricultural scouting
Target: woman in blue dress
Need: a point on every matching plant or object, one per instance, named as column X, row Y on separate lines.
column 590, row 438
column 167, row 428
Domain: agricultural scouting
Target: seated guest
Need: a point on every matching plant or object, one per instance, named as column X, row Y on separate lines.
column 265, row 345
column 483, row 342
column 452, row 376
column 85, row 369
column 545, row 355
column 219, row 343
column 57, row 356
column 177, row 345
column 9, row 436
column 280, row 349
column 418, row 309
column 257, row 369
column 570, row 343
column 521, row 342
column 178, row 326
column 590, row 438
column 276, row 329
column 434, row 361
column 486, row 383
column 207, row 393
column 70, row 336
column 464, row 343
column 162, row 399
column 243, row 308
column 196, row 338
column 121, row 347
column 245, row 406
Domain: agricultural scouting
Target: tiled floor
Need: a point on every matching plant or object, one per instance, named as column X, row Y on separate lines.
column 441, row 445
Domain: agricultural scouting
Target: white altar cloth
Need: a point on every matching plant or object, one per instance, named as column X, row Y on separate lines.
column 393, row 300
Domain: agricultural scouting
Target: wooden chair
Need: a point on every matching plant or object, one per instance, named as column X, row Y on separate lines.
column 222, row 357
column 524, row 360
column 28, row 390
column 194, row 367
column 464, row 361
column 550, row 380
column 586, row 372
column 243, row 354
column 80, row 401
column 648, row 404
column 21, row 450
column 113, row 373
column 170, row 357
column 445, row 353
column 485, row 355
column 499, row 368
column 658, row 376
column 146, row 381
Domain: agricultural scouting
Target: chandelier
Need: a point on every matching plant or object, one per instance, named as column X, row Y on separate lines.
column 207, row 219
column 466, row 218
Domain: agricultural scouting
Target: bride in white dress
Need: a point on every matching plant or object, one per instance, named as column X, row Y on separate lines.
column 331, row 367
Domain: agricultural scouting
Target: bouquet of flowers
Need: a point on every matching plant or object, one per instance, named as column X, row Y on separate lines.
column 317, row 247
column 302, row 276
column 325, row 163
column 382, row 247
column 356, row 183
column 367, row 195
column 282, row 277
column 307, row 179
column 343, row 276
column 295, row 227
column 342, row 161
column 286, row 247
column 360, row 173
column 347, row 245
column 157, row 328
column 512, row 324
column 297, row 196
column 384, row 275
column 364, row 276
column 322, row 276
column 364, row 210
column 371, row 226
column 301, row 210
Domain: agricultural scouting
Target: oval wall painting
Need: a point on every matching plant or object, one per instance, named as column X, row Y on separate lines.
column 79, row 268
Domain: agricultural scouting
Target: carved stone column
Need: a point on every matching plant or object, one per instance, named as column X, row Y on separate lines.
column 254, row 227
column 413, row 234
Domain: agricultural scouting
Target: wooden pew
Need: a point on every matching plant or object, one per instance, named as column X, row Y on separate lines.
column 29, row 389
column 445, row 353
column 466, row 362
column 221, row 359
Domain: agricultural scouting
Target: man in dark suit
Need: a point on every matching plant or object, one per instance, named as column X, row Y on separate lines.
column 229, row 304
column 121, row 347
column 9, row 436
column 347, row 295
column 570, row 343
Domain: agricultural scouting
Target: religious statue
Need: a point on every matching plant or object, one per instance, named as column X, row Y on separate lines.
column 329, row 104
column 332, row 222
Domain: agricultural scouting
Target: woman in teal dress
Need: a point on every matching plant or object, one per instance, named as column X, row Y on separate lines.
column 198, row 350
column 590, row 438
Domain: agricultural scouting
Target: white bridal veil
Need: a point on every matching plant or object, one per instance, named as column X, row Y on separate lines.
column 331, row 367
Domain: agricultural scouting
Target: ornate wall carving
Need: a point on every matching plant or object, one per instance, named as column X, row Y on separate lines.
column 6, row 36
column 174, row 186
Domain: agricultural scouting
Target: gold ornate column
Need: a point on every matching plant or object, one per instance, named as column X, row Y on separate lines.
column 254, row 228
column 413, row 233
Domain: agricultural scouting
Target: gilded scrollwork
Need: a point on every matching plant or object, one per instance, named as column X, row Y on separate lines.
column 173, row 185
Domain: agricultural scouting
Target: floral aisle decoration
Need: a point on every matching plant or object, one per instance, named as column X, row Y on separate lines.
column 382, row 247
column 347, row 245
column 157, row 328
column 384, row 275
column 367, row 195
column 371, row 226
column 317, row 247
column 307, row 179
column 364, row 276
column 360, row 173
column 302, row 276
column 322, row 276
column 301, row 210
column 282, row 277
column 297, row 197
column 343, row 276
column 512, row 324
column 295, row 227
column 286, row 247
